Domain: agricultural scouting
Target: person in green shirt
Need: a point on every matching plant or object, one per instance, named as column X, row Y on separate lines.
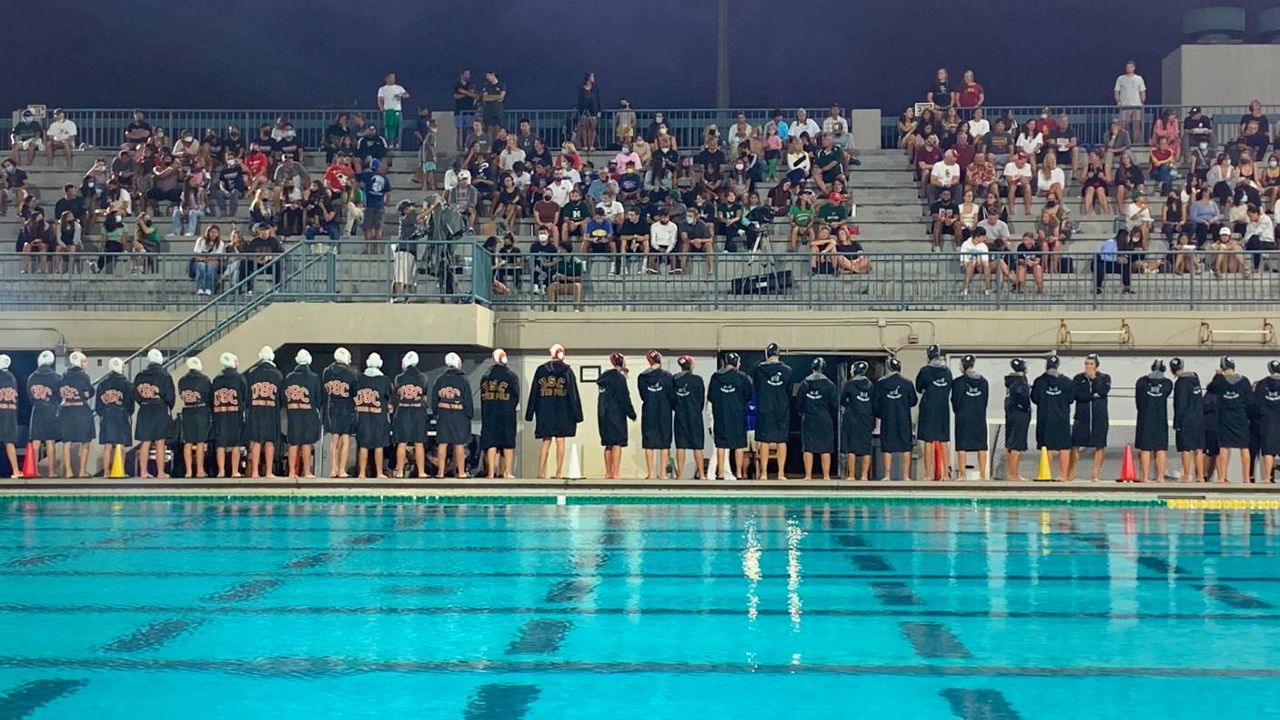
column 573, row 218
column 833, row 214
column 827, row 165
column 147, row 242
column 801, row 215
column 728, row 215
column 566, row 279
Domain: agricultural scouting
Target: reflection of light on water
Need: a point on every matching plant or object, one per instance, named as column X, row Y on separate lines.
column 794, row 536
column 751, row 568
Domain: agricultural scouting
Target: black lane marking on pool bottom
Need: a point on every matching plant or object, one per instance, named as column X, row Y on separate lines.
column 314, row 560
column 38, row 560
column 570, row 591
column 501, row 701
column 27, row 698
column 851, row 541
column 419, row 590
column 1099, row 542
column 149, row 637
column 539, row 637
column 979, row 704
column 366, row 539
column 895, row 594
column 1160, row 565
column 1233, row 597
column 899, row 611
column 308, row 667
column 392, row 574
column 249, row 590
column 934, row 640
column 870, row 563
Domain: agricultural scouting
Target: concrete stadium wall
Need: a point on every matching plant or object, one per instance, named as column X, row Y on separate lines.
column 107, row 331
column 1221, row 75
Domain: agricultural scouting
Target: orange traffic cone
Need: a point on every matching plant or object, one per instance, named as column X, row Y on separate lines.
column 938, row 461
column 1127, row 473
column 29, row 465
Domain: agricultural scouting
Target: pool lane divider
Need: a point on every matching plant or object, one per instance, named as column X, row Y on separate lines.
column 25, row 700
column 152, row 635
column 979, row 704
column 934, row 641
column 501, row 701
column 1233, row 597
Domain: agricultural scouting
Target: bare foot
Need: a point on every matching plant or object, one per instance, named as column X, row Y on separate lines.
column 342, row 475
column 272, row 476
column 309, row 476
column 508, row 476
column 236, row 476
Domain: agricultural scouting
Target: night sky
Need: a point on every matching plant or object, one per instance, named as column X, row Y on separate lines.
column 658, row 53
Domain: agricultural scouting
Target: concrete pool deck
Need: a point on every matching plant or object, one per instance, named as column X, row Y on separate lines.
column 1259, row 496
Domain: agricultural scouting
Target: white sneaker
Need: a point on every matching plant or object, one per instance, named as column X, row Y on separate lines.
column 642, row 270
column 964, row 292
column 613, row 271
column 728, row 475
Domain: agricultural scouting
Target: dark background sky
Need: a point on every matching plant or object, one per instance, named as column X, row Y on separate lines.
column 659, row 53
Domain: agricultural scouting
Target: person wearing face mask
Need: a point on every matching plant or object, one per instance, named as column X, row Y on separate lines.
column 613, row 410
column 1234, row 395
column 1200, row 157
column 544, row 255
column 1053, row 393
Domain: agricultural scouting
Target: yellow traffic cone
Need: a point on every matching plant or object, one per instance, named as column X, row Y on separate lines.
column 117, row 463
column 1044, row 473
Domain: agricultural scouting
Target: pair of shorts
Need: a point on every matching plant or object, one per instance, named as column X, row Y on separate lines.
column 33, row 143
column 596, row 246
column 429, row 167
column 406, row 266
column 372, row 218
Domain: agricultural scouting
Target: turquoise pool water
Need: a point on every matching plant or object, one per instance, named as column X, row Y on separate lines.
column 331, row 610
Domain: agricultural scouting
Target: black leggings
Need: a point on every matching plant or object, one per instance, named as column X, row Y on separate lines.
column 1102, row 268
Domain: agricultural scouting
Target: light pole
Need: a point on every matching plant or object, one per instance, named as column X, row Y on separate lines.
column 722, row 54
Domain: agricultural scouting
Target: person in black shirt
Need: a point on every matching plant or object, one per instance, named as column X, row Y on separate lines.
column 711, row 157
column 499, row 401
column 262, row 417
column 857, row 421
column 264, row 247
column 1089, row 429
column 409, row 415
column 729, row 393
column 946, row 219
column 195, row 419
column 337, row 137
column 493, row 95
column 689, row 428
column 465, row 97
column 302, row 396
column 816, row 403
column 969, row 394
column 772, row 382
column 894, row 397
column 337, row 402
column 941, row 93
column 139, row 131
column 233, row 144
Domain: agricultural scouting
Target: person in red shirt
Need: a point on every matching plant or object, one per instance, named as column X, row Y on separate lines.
column 255, row 168
column 972, row 94
column 336, row 175
column 1045, row 122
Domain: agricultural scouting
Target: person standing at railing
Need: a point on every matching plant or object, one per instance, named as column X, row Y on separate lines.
column 1131, row 94
column 493, row 95
column 465, row 99
column 588, row 109
column 390, row 102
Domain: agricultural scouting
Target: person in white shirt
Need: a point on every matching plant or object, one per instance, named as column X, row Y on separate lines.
column 1131, row 93
column 1260, row 238
column 978, row 125
column 509, row 156
column 974, row 260
column 1050, row 179
column 1017, row 175
column 390, row 96
column 804, row 125
column 945, row 175
column 739, row 132
column 613, row 209
column 834, row 120
column 662, row 240
column 560, row 188
column 62, row 134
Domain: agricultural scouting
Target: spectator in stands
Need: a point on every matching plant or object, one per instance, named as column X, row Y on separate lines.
column 1167, row 127
column 803, row 126
column 971, row 95
column 832, row 213
column 1131, row 94
column 1260, row 238
column 390, row 99
column 1113, row 259
column 834, row 121
column 739, row 131
column 1137, row 217
column 1128, row 179
column 1030, row 142
column 695, row 237
column 208, row 261
column 828, row 165
column 493, row 95
column 510, row 204
column 1162, row 163
column 1203, row 216
column 263, row 252
column 980, row 175
column 291, row 173
column 978, row 125
column 543, row 254
column 338, row 138
column 69, row 240
column 465, row 198
column 926, row 158
column 799, row 163
column 588, row 110
column 598, row 236
column 187, row 147
column 1062, row 140
column 993, row 207
column 166, row 185
column 1227, row 255
column 1050, row 180
column 27, row 136
column 377, row 192
column 1184, row 255
column 967, row 214
column 1051, row 229
column 1029, row 259
column 974, row 260
column 228, row 188
column 907, row 123
column 945, row 216
column 465, row 99
column 371, row 146
column 189, row 210
column 999, row 143
column 801, row 215
column 1173, row 215
column 624, row 125
column 62, row 136
column 1017, row 177
column 139, row 131
column 662, row 239
column 1255, row 129
column 14, row 188
column 1196, row 128
column 941, row 93
column 322, row 215
column 1095, row 179
column 849, row 257
column 728, row 216
column 573, row 217
column 38, row 239
column 566, row 279
column 1117, row 143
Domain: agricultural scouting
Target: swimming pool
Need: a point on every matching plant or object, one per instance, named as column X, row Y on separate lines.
column 486, row 612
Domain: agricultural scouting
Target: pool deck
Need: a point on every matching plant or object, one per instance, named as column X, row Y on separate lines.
column 661, row 491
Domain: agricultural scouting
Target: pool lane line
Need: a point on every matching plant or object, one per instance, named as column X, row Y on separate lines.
column 152, row 635
column 512, row 549
column 24, row 700
column 903, row 611
column 307, row 667
column 934, row 641
column 110, row 542
column 1233, row 597
column 808, row 576
column 500, row 701
column 979, row 704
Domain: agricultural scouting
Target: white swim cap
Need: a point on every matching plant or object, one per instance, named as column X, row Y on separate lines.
column 115, row 365
column 46, row 358
column 155, row 356
column 76, row 359
column 410, row 359
column 266, row 354
column 193, row 363
column 452, row 360
column 303, row 357
column 557, row 352
column 374, row 361
column 500, row 356
column 4, row 362
column 228, row 360
column 342, row 355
